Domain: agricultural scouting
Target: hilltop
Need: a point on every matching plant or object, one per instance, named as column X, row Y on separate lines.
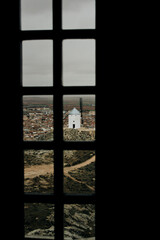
column 81, row 134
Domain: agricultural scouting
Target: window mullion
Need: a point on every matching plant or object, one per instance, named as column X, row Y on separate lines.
column 59, row 198
column 58, row 121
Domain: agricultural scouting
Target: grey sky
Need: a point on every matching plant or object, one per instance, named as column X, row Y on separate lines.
column 79, row 62
column 78, row 55
column 78, row 14
column 37, row 63
column 36, row 14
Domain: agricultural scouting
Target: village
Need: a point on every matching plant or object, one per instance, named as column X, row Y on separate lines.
column 38, row 119
column 37, row 122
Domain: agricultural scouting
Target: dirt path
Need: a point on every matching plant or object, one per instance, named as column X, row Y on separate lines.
column 37, row 170
column 68, row 169
column 72, row 168
column 75, row 180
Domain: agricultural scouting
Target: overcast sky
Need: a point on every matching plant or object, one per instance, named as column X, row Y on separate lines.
column 78, row 55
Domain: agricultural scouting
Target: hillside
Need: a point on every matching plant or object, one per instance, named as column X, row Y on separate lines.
column 79, row 177
column 79, row 221
column 79, row 134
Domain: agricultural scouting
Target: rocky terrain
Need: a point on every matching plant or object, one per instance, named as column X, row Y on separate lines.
column 79, row 177
column 79, row 221
column 79, row 134
column 36, row 176
column 38, row 157
column 82, row 134
column 39, row 171
column 73, row 157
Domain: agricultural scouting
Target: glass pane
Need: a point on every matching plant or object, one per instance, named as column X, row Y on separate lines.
column 79, row 171
column 36, row 14
column 79, row 221
column 39, row 220
column 38, row 171
column 37, row 62
column 78, row 14
column 79, row 117
column 79, row 62
column 38, row 118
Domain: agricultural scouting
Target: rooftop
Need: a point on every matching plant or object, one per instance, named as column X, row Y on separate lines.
column 74, row 111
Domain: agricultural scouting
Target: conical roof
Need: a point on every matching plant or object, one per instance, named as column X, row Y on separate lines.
column 74, row 111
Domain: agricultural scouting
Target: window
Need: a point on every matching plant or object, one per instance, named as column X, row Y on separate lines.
column 46, row 81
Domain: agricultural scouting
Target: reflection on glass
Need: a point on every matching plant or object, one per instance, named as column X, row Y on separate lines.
column 39, row 220
column 38, row 118
column 36, row 14
column 79, row 62
column 37, row 67
column 79, row 171
column 78, row 14
column 79, row 221
column 38, row 171
column 79, row 118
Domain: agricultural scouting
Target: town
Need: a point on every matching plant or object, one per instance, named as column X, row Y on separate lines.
column 38, row 117
column 37, row 122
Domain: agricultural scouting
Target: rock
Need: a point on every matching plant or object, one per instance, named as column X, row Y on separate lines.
column 78, row 135
column 79, row 223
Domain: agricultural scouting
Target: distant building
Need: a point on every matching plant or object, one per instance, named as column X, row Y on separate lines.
column 74, row 119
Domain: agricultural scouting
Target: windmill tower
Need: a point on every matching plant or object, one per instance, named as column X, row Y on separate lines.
column 74, row 119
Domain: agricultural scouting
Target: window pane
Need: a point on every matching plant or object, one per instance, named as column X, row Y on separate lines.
column 79, row 62
column 39, row 220
column 78, row 14
column 37, row 63
column 38, row 171
column 79, row 171
column 38, row 118
column 79, row 221
column 36, row 14
column 79, row 117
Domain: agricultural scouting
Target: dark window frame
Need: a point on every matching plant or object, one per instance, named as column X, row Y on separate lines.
column 58, row 91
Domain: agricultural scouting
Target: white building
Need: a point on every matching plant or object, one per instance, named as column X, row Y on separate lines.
column 74, row 119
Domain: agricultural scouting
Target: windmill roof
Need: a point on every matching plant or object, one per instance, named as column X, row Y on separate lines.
column 74, row 111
